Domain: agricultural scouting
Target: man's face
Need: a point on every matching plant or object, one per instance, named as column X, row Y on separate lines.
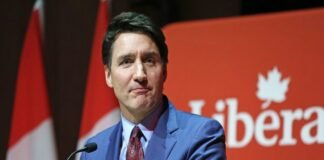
column 136, row 74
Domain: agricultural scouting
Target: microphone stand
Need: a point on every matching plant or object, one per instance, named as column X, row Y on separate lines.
column 90, row 147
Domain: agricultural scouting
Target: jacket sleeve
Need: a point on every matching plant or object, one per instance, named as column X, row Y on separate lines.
column 83, row 156
column 208, row 142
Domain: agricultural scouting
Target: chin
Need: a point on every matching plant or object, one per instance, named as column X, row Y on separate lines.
column 144, row 105
column 144, row 101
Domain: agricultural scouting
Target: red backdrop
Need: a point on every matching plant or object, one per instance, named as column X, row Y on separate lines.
column 261, row 76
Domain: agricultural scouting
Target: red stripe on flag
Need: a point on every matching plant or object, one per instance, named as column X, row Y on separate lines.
column 99, row 99
column 31, row 105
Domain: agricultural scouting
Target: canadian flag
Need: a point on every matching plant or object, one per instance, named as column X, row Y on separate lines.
column 31, row 136
column 100, row 108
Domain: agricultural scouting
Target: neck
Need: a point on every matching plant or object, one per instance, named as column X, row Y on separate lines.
column 138, row 117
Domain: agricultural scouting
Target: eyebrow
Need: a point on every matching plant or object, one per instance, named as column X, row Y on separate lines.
column 132, row 55
column 125, row 56
column 151, row 54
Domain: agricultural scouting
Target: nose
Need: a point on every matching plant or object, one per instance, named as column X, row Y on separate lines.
column 140, row 73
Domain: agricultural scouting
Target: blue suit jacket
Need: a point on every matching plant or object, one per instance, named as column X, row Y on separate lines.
column 177, row 136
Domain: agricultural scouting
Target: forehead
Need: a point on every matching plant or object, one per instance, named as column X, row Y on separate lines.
column 131, row 42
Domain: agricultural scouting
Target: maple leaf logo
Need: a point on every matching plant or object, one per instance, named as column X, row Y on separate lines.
column 272, row 89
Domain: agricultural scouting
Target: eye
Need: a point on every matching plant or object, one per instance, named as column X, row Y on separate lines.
column 126, row 61
column 150, row 60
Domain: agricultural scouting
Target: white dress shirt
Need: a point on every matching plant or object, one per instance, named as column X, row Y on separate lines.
column 147, row 127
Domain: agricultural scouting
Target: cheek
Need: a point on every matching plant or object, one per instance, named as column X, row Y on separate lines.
column 120, row 79
column 158, row 80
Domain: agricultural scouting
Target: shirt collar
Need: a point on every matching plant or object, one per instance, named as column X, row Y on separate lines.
column 147, row 125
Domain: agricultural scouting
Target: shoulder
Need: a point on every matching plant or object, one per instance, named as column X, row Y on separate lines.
column 103, row 135
column 198, row 123
column 194, row 121
column 102, row 139
column 203, row 136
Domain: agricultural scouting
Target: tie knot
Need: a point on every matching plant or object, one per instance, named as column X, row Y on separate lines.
column 136, row 132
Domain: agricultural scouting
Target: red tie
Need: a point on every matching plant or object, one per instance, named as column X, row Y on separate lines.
column 134, row 148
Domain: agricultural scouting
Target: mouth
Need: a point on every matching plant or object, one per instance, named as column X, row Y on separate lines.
column 140, row 90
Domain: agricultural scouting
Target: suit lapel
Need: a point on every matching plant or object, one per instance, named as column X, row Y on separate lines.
column 114, row 144
column 164, row 136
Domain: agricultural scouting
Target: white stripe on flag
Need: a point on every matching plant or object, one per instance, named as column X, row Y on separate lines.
column 38, row 144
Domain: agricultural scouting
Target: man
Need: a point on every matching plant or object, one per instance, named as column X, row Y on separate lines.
column 135, row 58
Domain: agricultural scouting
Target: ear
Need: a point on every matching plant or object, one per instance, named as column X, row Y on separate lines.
column 108, row 76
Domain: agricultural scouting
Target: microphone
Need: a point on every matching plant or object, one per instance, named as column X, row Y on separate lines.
column 90, row 147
